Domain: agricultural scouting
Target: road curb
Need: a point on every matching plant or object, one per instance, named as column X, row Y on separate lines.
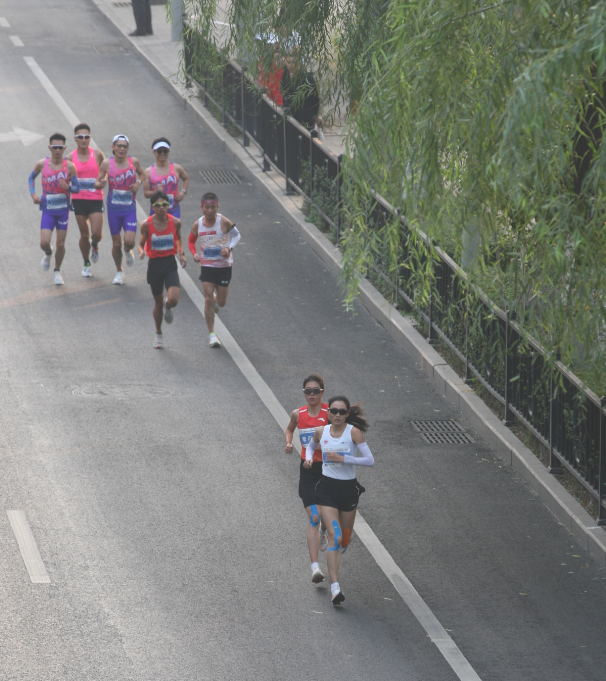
column 507, row 446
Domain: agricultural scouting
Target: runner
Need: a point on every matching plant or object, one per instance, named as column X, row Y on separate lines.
column 338, row 491
column 161, row 240
column 165, row 176
column 88, row 207
column 218, row 236
column 121, row 205
column 307, row 419
column 55, row 200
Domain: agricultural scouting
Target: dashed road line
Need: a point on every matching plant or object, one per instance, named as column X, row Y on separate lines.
column 4, row 23
column 28, row 547
column 438, row 635
column 16, row 40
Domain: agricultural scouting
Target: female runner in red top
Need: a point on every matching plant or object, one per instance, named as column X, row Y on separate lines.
column 161, row 241
column 307, row 419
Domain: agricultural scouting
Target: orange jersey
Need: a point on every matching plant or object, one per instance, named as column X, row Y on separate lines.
column 307, row 427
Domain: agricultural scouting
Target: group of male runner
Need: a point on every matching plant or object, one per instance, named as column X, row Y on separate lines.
column 87, row 173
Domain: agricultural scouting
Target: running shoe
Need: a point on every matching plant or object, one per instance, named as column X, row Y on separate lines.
column 213, row 341
column 46, row 261
column 86, row 271
column 130, row 258
column 158, row 341
column 119, row 278
column 337, row 596
column 94, row 252
column 168, row 313
column 342, row 549
column 323, row 540
column 317, row 576
column 58, row 278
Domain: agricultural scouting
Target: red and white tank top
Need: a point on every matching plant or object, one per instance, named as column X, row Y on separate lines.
column 169, row 183
column 307, row 427
column 87, row 175
column 54, row 197
column 212, row 240
column 161, row 244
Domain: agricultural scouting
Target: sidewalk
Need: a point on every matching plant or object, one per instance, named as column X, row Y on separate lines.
column 163, row 55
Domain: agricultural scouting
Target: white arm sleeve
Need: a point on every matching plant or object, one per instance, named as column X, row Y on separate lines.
column 367, row 459
column 310, row 449
column 234, row 235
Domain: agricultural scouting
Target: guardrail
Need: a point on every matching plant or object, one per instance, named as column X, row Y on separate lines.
column 566, row 417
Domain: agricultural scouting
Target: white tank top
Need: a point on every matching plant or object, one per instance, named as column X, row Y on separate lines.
column 343, row 445
column 212, row 240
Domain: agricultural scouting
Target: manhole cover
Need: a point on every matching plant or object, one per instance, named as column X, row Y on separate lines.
column 124, row 392
column 442, row 432
column 219, row 177
column 109, row 49
column 122, row 4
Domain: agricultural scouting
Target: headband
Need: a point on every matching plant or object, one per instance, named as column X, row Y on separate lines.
column 120, row 137
column 159, row 145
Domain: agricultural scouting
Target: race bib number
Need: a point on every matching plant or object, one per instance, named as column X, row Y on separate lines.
column 211, row 252
column 171, row 201
column 120, row 197
column 336, row 450
column 56, row 202
column 306, row 436
column 86, row 184
column 162, row 243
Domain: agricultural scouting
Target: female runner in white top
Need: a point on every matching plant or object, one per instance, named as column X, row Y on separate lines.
column 338, row 491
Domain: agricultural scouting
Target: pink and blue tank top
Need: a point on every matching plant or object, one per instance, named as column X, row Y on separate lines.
column 87, row 175
column 119, row 199
column 169, row 184
column 54, row 198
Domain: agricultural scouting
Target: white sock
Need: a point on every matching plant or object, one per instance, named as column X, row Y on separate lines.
column 315, row 566
column 335, row 588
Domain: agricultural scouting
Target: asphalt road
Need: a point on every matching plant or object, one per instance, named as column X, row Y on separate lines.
column 155, row 482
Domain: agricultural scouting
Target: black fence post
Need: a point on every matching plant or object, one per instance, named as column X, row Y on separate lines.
column 289, row 190
column 245, row 140
column 467, row 375
column 187, row 54
column 602, row 469
column 508, row 420
column 223, row 119
column 339, row 161
column 554, row 467
column 431, row 336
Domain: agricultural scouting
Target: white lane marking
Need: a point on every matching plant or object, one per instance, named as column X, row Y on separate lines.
column 453, row 656
column 19, row 134
column 28, row 547
column 4, row 23
column 16, row 40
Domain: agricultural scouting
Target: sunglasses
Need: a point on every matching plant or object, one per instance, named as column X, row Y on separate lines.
column 312, row 391
column 57, row 146
column 160, row 204
column 82, row 137
column 162, row 150
column 121, row 146
column 340, row 412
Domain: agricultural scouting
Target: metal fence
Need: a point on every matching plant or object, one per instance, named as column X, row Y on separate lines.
column 567, row 418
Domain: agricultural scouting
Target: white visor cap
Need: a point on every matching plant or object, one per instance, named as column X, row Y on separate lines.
column 161, row 145
column 120, row 137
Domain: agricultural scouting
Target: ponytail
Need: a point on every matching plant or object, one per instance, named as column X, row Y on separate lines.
column 356, row 413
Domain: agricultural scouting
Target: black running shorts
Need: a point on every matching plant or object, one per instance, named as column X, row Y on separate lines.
column 162, row 272
column 219, row 276
column 308, row 479
column 87, row 206
column 340, row 494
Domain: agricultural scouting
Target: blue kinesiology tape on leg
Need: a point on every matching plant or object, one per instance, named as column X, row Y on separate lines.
column 314, row 514
column 338, row 535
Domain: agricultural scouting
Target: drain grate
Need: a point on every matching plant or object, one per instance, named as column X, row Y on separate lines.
column 124, row 392
column 442, row 432
column 109, row 49
column 219, row 177
column 122, row 4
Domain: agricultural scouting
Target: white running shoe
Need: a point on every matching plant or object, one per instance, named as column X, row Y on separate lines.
column 130, row 258
column 337, row 595
column 46, row 260
column 158, row 340
column 58, row 278
column 317, row 576
column 168, row 313
column 119, row 278
column 323, row 540
column 94, row 252
column 86, row 271
column 213, row 341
